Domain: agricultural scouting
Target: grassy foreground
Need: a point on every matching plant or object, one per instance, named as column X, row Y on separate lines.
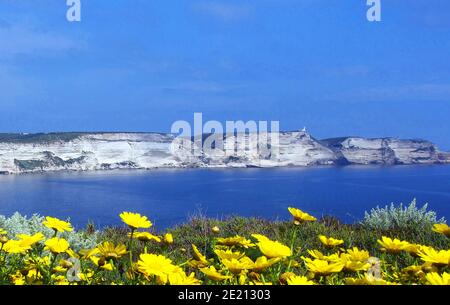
column 304, row 251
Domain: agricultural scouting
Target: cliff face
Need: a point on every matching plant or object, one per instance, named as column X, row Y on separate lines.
column 386, row 151
column 103, row 151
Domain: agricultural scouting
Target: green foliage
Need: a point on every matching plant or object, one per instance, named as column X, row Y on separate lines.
column 400, row 217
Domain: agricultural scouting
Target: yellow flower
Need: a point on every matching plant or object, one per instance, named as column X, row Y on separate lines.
column 262, row 263
column 3, row 232
column 322, row 267
column 145, row 236
column 72, row 253
column 355, row 254
column 442, row 228
column 235, row 241
column 367, row 280
column 198, row 256
column 156, row 265
column 354, row 265
column 101, row 262
column 272, row 249
column 242, row 278
column 109, row 251
column 260, row 237
column 413, row 249
column 215, row 229
column 135, row 220
column 15, row 247
column 301, row 216
column 330, row 241
column 319, row 255
column 228, row 254
column 60, row 280
column 168, row 238
column 214, row 275
column 434, row 278
column 18, row 279
column 88, row 253
column 59, row 269
column 440, row 258
column 180, row 278
column 57, row 225
column 57, row 245
column 24, row 243
column 237, row 266
column 30, row 240
column 299, row 280
column 393, row 245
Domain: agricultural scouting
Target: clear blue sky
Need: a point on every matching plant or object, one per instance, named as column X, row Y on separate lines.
column 139, row 65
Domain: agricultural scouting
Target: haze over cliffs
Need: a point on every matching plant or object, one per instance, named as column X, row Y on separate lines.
column 21, row 153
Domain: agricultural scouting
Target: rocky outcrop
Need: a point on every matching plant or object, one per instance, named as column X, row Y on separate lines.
column 20, row 153
column 392, row 151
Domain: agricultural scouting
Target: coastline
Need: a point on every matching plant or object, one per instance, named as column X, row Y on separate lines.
column 225, row 168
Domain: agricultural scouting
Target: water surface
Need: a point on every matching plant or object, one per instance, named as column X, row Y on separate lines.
column 169, row 197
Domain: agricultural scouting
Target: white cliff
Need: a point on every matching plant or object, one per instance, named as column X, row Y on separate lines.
column 103, row 151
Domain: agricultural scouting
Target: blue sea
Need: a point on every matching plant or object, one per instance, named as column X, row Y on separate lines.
column 172, row 196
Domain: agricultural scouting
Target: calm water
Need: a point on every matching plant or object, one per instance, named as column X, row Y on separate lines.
column 171, row 196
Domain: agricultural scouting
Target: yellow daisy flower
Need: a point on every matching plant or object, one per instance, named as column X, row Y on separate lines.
column 57, row 245
column 145, row 236
column 30, row 240
column 434, row 278
column 393, row 245
column 439, row 258
column 168, row 238
column 228, row 254
column 156, row 265
column 180, row 278
column 135, row 220
column 322, row 267
column 262, row 263
column 301, row 216
column 235, row 241
column 110, row 251
column 299, row 280
column 442, row 228
column 57, row 224
column 358, row 255
column 237, row 266
column 330, row 241
column 272, row 249
column 198, row 256
column 15, row 247
column 214, row 275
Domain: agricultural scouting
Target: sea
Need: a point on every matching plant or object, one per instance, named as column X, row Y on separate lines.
column 173, row 196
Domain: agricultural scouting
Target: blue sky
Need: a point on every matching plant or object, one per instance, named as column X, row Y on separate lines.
column 140, row 65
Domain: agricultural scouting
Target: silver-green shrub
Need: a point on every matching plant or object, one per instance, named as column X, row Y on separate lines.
column 18, row 224
column 401, row 217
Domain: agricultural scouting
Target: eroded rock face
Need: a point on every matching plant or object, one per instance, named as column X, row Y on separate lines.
column 105, row 151
column 358, row 150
